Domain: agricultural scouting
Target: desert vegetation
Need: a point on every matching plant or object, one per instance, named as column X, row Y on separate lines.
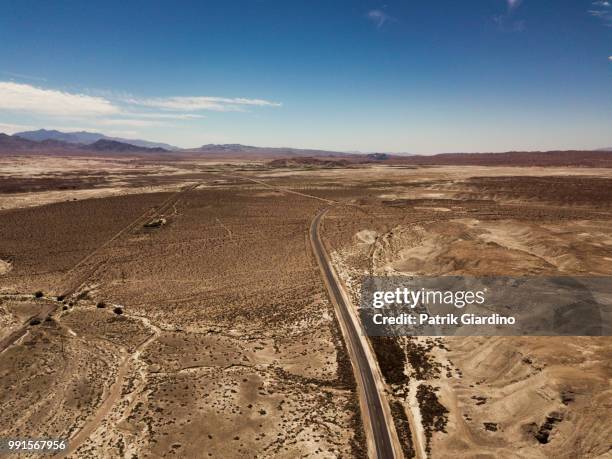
column 187, row 315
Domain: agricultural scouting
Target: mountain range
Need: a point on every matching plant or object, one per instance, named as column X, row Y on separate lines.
column 45, row 142
column 15, row 145
column 87, row 138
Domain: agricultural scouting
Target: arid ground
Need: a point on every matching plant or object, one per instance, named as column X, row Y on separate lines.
column 173, row 308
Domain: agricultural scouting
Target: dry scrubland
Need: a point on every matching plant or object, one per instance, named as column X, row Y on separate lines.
column 493, row 397
column 195, row 321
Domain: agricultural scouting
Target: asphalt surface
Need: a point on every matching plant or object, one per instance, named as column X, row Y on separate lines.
column 363, row 372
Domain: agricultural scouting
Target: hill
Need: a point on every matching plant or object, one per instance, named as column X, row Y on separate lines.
column 103, row 145
column 15, row 145
column 587, row 158
column 308, row 161
column 247, row 151
column 295, row 157
column 86, row 138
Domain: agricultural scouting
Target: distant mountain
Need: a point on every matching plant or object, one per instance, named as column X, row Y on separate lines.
column 378, row 156
column 306, row 161
column 585, row 158
column 69, row 137
column 604, row 149
column 113, row 145
column 15, row 145
column 86, row 138
column 226, row 147
column 249, row 151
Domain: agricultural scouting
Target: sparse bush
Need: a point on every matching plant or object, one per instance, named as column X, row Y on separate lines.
column 101, row 305
column 434, row 415
column 391, row 358
column 35, row 321
column 38, row 294
column 402, row 425
column 60, row 297
column 118, row 311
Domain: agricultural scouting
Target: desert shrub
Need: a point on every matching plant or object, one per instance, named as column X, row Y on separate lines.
column 402, row 426
column 434, row 415
column 391, row 358
column 38, row 294
column 118, row 311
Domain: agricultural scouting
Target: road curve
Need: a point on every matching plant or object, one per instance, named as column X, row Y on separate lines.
column 379, row 430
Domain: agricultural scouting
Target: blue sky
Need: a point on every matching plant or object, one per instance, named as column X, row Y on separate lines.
column 403, row 76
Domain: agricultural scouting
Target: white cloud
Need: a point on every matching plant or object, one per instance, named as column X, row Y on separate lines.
column 49, row 107
column 610, row 58
column 27, row 98
column 128, row 122
column 597, row 13
column 378, row 17
column 166, row 116
column 39, row 101
column 512, row 4
column 8, row 128
column 200, row 103
column 508, row 22
column 602, row 11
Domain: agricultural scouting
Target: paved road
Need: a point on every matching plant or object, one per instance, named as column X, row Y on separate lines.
column 381, row 436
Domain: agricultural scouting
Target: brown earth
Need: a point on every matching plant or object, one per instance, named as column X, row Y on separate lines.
column 226, row 343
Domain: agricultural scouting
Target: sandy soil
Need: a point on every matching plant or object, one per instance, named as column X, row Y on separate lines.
column 226, row 344
column 500, row 397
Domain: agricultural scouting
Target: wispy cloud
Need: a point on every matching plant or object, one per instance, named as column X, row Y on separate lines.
column 31, row 99
column 22, row 76
column 603, row 11
column 166, row 116
column 202, row 103
column 378, row 17
column 50, row 106
column 508, row 25
column 512, row 4
column 507, row 22
column 9, row 128
column 26, row 98
column 129, row 122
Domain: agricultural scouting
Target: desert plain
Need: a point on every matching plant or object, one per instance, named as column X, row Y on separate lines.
column 174, row 308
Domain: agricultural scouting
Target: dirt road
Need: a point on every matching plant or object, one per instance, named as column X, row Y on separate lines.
column 45, row 311
column 74, row 281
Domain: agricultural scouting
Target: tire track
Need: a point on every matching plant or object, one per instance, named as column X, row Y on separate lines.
column 73, row 285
